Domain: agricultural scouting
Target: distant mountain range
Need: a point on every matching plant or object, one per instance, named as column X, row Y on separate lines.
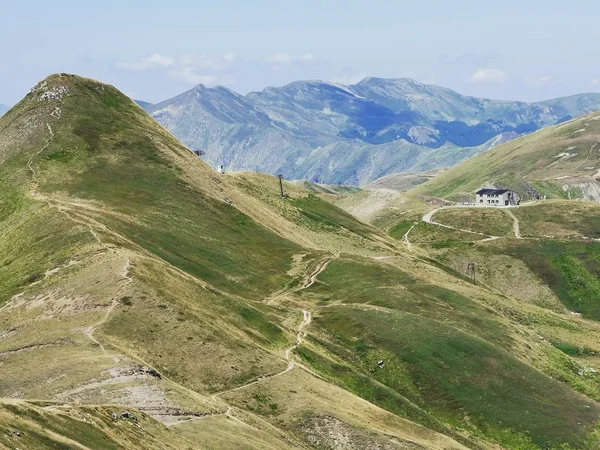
column 143, row 104
column 3, row 109
column 332, row 133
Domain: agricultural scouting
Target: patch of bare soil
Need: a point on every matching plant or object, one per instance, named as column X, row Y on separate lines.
column 327, row 432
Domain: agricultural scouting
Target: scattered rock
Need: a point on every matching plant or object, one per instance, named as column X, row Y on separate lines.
column 128, row 416
column 54, row 94
column 584, row 371
column 153, row 373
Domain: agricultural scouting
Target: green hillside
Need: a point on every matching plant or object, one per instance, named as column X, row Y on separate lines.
column 135, row 278
column 558, row 162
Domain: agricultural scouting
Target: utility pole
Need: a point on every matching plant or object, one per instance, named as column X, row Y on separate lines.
column 471, row 272
column 281, row 185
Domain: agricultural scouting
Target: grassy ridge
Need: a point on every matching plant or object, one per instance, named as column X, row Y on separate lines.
column 546, row 159
column 103, row 151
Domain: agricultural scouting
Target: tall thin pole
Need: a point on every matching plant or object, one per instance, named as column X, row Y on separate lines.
column 281, row 186
column 471, row 272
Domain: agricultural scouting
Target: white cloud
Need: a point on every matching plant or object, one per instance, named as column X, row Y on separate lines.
column 595, row 81
column 205, row 62
column 189, row 75
column 153, row 61
column 538, row 81
column 284, row 58
column 189, row 68
column 488, row 75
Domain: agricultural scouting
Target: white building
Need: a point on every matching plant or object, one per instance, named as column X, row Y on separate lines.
column 496, row 197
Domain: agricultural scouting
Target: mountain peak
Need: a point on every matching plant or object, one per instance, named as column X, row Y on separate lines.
column 387, row 81
column 60, row 86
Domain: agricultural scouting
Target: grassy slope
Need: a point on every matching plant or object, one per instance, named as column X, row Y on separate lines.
column 108, row 157
column 204, row 252
column 130, row 251
column 42, row 426
column 426, row 233
column 539, row 274
column 399, row 181
column 323, row 225
column 493, row 222
column 557, row 277
column 437, row 370
column 530, row 159
column 104, row 152
column 560, row 219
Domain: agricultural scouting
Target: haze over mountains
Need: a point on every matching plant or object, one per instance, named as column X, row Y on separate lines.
column 332, row 133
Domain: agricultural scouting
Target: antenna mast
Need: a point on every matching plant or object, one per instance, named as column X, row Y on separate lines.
column 281, row 186
column 471, row 272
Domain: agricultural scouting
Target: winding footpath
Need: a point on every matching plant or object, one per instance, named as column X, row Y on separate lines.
column 288, row 352
column 516, row 229
column 300, row 336
column 36, row 182
column 89, row 332
column 66, row 209
column 405, row 237
column 308, row 282
column 428, row 218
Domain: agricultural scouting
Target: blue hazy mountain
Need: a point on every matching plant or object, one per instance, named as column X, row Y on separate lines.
column 143, row 104
column 333, row 133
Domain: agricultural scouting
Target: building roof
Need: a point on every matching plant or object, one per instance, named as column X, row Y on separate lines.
column 491, row 191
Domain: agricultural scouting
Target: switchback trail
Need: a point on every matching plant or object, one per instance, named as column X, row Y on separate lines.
column 308, row 282
column 307, row 317
column 312, row 279
column 301, row 334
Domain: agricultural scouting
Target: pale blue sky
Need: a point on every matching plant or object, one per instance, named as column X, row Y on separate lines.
column 152, row 50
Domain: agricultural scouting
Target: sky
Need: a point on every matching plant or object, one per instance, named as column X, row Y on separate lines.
column 153, row 50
